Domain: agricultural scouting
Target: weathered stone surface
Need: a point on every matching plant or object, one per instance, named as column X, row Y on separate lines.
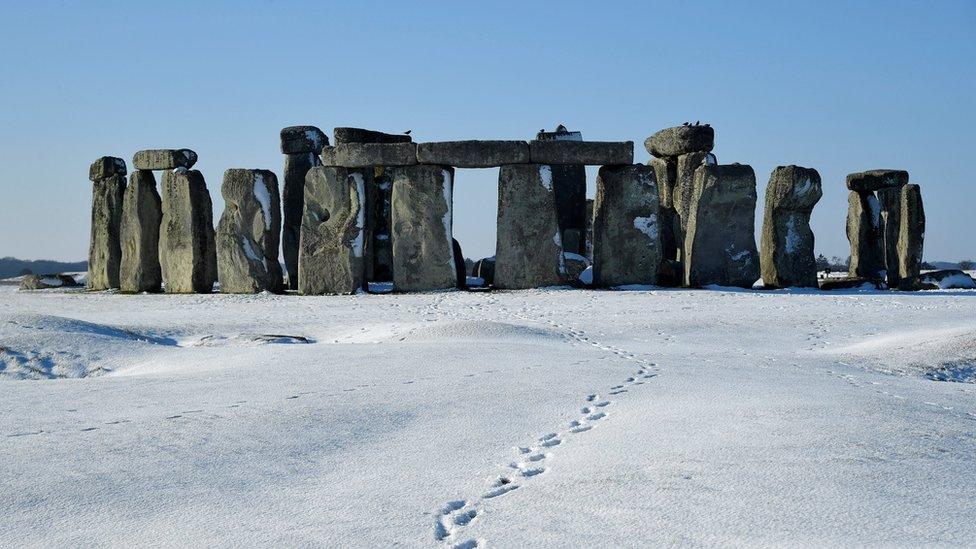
column 912, row 232
column 368, row 155
column 247, row 235
column 569, row 187
column 106, row 167
column 47, row 281
column 889, row 200
column 940, row 280
column 788, row 258
column 666, row 175
column 164, row 159
column 680, row 140
column 848, row 283
column 423, row 255
column 473, row 154
column 589, row 228
column 460, row 269
column 333, row 232
column 303, row 139
column 720, row 244
column 864, row 234
column 359, row 135
column 293, row 201
column 187, row 250
column 105, row 250
column 684, row 188
column 379, row 246
column 485, row 270
column 591, row 153
column 626, row 226
column 142, row 213
column 873, row 180
column 528, row 248
column 560, row 134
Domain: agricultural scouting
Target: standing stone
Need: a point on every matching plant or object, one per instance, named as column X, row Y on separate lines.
column 528, row 249
column 187, row 250
column 247, row 235
column 720, row 244
column 589, row 228
column 142, row 213
column 666, row 174
column 105, row 250
column 330, row 253
column 423, row 253
column 379, row 245
column 301, row 146
column 684, row 188
column 569, row 185
column 889, row 199
column 626, row 226
column 788, row 258
column 460, row 267
column 864, row 234
column 912, row 233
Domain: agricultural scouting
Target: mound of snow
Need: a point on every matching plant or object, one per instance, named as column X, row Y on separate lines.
column 468, row 330
column 947, row 354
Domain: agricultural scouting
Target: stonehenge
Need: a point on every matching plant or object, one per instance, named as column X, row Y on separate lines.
column 787, row 256
column 142, row 213
column 187, row 248
column 911, row 233
column 301, row 146
column 423, row 248
column 569, row 184
column 107, row 175
column 247, row 234
column 626, row 226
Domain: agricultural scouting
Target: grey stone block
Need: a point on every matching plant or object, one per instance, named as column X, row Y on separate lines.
column 569, row 187
column 528, row 248
column 333, row 233
column 164, row 159
column 788, row 258
column 590, row 153
column 680, row 140
column 720, row 241
column 360, row 135
column 379, row 246
column 368, row 155
column 684, row 188
column 849, row 283
column 873, row 180
column 105, row 249
column 889, row 198
column 937, row 280
column 247, row 235
column 105, row 167
column 912, row 234
column 473, row 154
column 303, row 139
column 864, row 234
column 142, row 213
column 626, row 226
column 187, row 248
column 423, row 253
column 293, row 204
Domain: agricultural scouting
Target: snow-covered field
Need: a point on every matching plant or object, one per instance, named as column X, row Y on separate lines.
column 548, row 418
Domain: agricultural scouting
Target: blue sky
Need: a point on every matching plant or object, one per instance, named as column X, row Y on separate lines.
column 839, row 87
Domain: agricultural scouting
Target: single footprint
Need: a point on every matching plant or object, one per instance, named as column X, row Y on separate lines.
column 586, row 409
column 591, row 398
column 596, row 416
column 618, row 392
column 501, row 487
column 533, row 471
column 580, row 429
column 467, row 544
column 465, row 518
column 615, row 387
column 603, row 404
column 552, row 442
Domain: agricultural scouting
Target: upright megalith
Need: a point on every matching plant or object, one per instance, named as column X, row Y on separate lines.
column 684, row 187
column 107, row 175
column 864, row 234
column 423, row 252
column 247, row 235
column 912, row 233
column 787, row 258
column 889, row 229
column 528, row 248
column 142, row 213
column 330, row 254
column 569, row 186
column 626, row 226
column 301, row 146
column 187, row 248
column 720, row 244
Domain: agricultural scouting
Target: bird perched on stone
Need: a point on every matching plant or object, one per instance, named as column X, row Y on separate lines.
column 696, row 122
column 686, row 124
column 407, row 132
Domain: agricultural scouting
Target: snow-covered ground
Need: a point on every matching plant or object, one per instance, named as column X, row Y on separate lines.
column 546, row 418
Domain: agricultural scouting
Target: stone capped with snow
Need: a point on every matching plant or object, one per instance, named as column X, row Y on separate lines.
column 576, row 265
column 142, row 213
column 787, row 258
column 680, row 140
column 849, row 283
column 626, row 226
column 423, row 253
column 47, row 281
column 105, row 246
column 873, row 180
column 864, row 234
column 187, row 247
column 947, row 279
column 296, row 168
column 473, row 154
column 247, row 234
column 164, row 159
column 720, row 242
column 911, row 235
column 303, row 139
column 590, row 153
column 368, row 155
column 360, row 135
column 331, row 248
column 105, row 167
column 528, row 247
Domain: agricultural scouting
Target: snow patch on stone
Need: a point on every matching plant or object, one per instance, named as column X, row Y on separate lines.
column 251, row 254
column 357, row 243
column 545, row 176
column 647, row 225
column 448, row 215
column 264, row 198
column 874, row 208
column 792, row 235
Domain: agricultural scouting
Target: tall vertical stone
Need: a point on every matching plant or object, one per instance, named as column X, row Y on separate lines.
column 330, row 254
column 788, row 258
column 911, row 234
column 247, row 235
column 528, row 248
column 889, row 199
column 379, row 245
column 301, row 146
column 626, row 226
column 684, row 187
column 720, row 242
column 569, row 187
column 107, row 175
column 423, row 252
column 142, row 214
column 864, row 234
column 187, row 248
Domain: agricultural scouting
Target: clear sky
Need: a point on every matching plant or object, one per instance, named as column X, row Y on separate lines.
column 839, row 87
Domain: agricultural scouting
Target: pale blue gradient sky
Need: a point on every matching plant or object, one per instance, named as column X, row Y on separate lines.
column 839, row 87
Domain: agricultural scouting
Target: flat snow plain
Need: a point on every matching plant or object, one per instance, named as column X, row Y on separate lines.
column 547, row 418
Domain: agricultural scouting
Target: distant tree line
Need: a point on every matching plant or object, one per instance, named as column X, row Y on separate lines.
column 11, row 266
